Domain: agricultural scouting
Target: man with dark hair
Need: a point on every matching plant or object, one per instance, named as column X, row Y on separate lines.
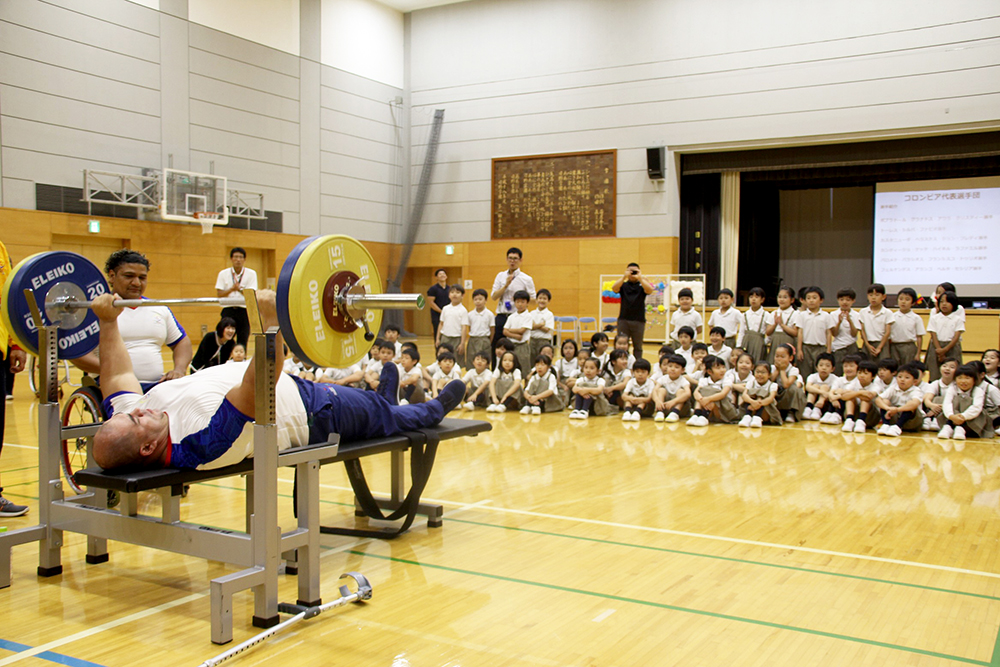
column 633, row 288
column 505, row 285
column 231, row 283
column 144, row 330
column 438, row 293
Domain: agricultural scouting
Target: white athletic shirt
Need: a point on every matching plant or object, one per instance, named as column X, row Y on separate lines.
column 548, row 321
column 522, row 320
column 945, row 326
column 191, row 401
column 830, row 380
column 906, row 327
column 453, row 318
column 145, row 331
column 475, row 379
column 679, row 318
column 813, row 326
column 875, row 323
column 633, row 388
column 247, row 279
column 731, row 321
column 480, row 322
column 673, row 386
column 894, row 396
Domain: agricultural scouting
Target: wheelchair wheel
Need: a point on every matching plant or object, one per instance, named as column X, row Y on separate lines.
column 82, row 408
column 33, row 380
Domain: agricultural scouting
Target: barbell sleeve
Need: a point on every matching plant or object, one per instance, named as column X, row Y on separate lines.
column 360, row 302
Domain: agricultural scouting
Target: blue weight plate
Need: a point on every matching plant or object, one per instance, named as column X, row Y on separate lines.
column 282, row 298
column 39, row 273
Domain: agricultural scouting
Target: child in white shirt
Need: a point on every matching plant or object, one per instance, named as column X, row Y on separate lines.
column 685, row 315
column 411, row 389
column 846, row 327
column 616, row 377
column 820, row 400
column 543, row 323
column 964, row 405
column 542, row 393
column 906, row 337
column 453, row 328
column 738, row 376
column 589, row 392
column 506, row 388
column 711, row 399
column 518, row 329
column 638, row 396
column 791, row 397
column 876, row 324
column 447, row 371
column 672, row 396
column 728, row 318
column 758, row 325
column 786, row 323
column 477, row 382
column 945, row 327
column 759, row 399
column 621, row 343
column 934, row 396
column 900, row 405
column 481, row 326
column 857, row 392
column 815, row 331
column 567, row 368
column 717, row 346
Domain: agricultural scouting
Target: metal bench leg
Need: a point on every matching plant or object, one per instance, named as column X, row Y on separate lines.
column 307, row 558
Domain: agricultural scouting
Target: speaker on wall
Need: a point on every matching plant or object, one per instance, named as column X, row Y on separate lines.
column 655, row 158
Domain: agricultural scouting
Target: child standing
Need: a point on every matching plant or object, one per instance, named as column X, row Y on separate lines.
column 816, row 330
column 672, row 395
column 543, row 323
column 518, row 329
column 506, row 388
column 685, row 315
column 900, row 405
column 480, row 328
column 453, row 328
column 877, row 322
column 846, row 327
column 945, row 328
column 711, row 398
column 638, row 396
column 758, row 326
column 786, row 323
column 477, row 382
column 541, row 394
column 728, row 318
column 588, row 393
column 906, row 338
column 760, row 399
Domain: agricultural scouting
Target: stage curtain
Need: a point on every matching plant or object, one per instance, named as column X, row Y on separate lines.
column 729, row 239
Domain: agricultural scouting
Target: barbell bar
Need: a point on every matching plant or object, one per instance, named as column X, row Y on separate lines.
column 329, row 298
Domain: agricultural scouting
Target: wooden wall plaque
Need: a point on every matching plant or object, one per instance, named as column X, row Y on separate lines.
column 567, row 194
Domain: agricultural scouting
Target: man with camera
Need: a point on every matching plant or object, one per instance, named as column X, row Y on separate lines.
column 633, row 288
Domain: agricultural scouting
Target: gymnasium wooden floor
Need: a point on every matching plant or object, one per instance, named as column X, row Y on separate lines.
column 567, row 543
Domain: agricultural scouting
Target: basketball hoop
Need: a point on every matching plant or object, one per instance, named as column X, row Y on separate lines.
column 207, row 219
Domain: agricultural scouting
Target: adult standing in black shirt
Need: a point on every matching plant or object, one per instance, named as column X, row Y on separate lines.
column 633, row 288
column 438, row 292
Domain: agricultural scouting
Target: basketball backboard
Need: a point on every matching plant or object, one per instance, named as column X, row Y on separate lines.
column 192, row 197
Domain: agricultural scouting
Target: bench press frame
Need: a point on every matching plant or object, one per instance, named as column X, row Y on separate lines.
column 259, row 550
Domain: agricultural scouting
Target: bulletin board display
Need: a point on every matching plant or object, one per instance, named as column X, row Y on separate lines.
column 566, row 194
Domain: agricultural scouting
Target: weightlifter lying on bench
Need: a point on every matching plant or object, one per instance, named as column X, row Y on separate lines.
column 201, row 420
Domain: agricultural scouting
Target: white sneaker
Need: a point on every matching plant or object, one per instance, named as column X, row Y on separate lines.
column 836, row 419
column 501, row 408
column 789, row 419
column 745, row 422
column 636, row 416
column 824, row 417
column 526, row 410
column 848, row 425
column 469, row 406
column 673, row 417
column 959, row 433
column 894, row 431
column 491, row 408
column 946, row 432
column 882, row 429
column 536, row 409
column 860, row 426
column 575, row 414
column 757, row 422
column 584, row 414
column 626, row 416
column 403, row 401
column 659, row 417
column 695, row 420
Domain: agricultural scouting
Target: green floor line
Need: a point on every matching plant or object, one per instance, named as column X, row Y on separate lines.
column 687, row 610
column 693, row 554
column 995, row 660
column 726, row 558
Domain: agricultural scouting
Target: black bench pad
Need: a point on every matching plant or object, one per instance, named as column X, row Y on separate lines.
column 148, row 480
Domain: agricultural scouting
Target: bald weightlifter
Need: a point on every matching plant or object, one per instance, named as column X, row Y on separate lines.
column 200, row 420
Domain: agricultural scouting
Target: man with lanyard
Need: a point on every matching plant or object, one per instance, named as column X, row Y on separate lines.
column 12, row 360
column 230, row 283
column 633, row 288
column 145, row 330
column 438, row 292
column 504, row 285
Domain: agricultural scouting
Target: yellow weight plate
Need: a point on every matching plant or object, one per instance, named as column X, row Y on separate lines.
column 300, row 300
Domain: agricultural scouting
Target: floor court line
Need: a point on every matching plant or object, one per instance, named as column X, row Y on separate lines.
column 97, row 629
column 704, row 536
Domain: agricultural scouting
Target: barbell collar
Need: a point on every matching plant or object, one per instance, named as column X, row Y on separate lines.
column 386, row 301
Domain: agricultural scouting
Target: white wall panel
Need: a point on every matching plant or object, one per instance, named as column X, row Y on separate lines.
column 245, row 146
column 217, row 116
column 222, row 68
column 241, row 97
column 243, row 50
column 52, row 110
